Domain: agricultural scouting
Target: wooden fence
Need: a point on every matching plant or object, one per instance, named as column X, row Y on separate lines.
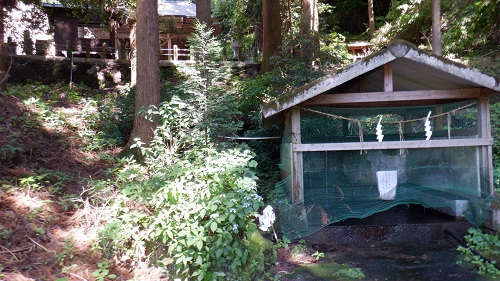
column 92, row 49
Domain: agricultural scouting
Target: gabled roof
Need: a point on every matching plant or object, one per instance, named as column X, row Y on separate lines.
column 412, row 69
column 177, row 8
column 165, row 7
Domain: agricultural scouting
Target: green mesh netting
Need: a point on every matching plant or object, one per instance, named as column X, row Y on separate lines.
column 355, row 184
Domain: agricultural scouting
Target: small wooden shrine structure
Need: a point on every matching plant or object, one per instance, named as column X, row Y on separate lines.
column 434, row 113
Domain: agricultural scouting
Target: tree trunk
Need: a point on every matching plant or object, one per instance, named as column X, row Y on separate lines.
column 148, row 71
column 271, row 33
column 436, row 27
column 309, row 31
column 371, row 19
column 3, row 49
column 203, row 12
column 133, row 53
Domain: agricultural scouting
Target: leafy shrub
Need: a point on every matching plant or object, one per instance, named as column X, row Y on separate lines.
column 99, row 129
column 190, row 205
column 482, row 251
column 197, row 211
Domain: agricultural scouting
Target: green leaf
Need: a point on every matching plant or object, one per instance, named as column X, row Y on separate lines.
column 238, row 252
column 213, row 226
column 199, row 260
column 252, row 164
column 199, row 245
column 218, row 253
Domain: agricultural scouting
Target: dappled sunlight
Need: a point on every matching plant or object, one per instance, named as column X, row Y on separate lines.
column 46, row 229
column 25, row 201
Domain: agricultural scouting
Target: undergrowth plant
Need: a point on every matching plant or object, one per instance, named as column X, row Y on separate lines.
column 192, row 216
column 190, row 205
column 482, row 251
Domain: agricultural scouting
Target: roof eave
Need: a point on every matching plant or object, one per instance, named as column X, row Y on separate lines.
column 396, row 49
column 321, row 85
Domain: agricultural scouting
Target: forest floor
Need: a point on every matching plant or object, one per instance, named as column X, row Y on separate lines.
column 48, row 222
column 44, row 173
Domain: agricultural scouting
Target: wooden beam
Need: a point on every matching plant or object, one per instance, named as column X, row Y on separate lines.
column 374, row 97
column 391, row 145
column 387, row 73
column 486, row 156
column 297, row 166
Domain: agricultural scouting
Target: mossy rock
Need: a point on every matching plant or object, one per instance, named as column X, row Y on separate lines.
column 261, row 258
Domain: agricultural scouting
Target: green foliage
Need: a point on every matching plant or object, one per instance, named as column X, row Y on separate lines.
column 251, row 93
column 495, row 126
column 207, row 87
column 190, row 205
column 261, row 258
column 50, row 94
column 8, row 151
column 284, row 243
column 67, row 254
column 349, row 273
column 333, row 50
column 102, row 272
column 235, row 16
column 45, row 178
column 99, row 130
column 409, row 20
column 482, row 251
column 195, row 211
column 317, row 255
column 471, row 26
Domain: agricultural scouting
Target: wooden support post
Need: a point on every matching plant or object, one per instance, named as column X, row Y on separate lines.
column 486, row 152
column 123, row 49
column 387, row 72
column 104, row 51
column 176, row 53
column 68, row 49
column 408, row 127
column 88, row 49
column 169, row 48
column 438, row 120
column 240, row 53
column 297, row 172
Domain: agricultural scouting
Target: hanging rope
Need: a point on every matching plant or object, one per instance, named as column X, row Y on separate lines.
column 401, row 138
column 361, row 139
column 389, row 122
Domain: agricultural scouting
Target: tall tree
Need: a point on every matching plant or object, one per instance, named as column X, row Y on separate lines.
column 203, row 12
column 271, row 32
column 4, row 6
column 148, row 70
column 436, row 26
column 371, row 18
column 309, row 31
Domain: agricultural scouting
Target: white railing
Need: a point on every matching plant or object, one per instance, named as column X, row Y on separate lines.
column 174, row 54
